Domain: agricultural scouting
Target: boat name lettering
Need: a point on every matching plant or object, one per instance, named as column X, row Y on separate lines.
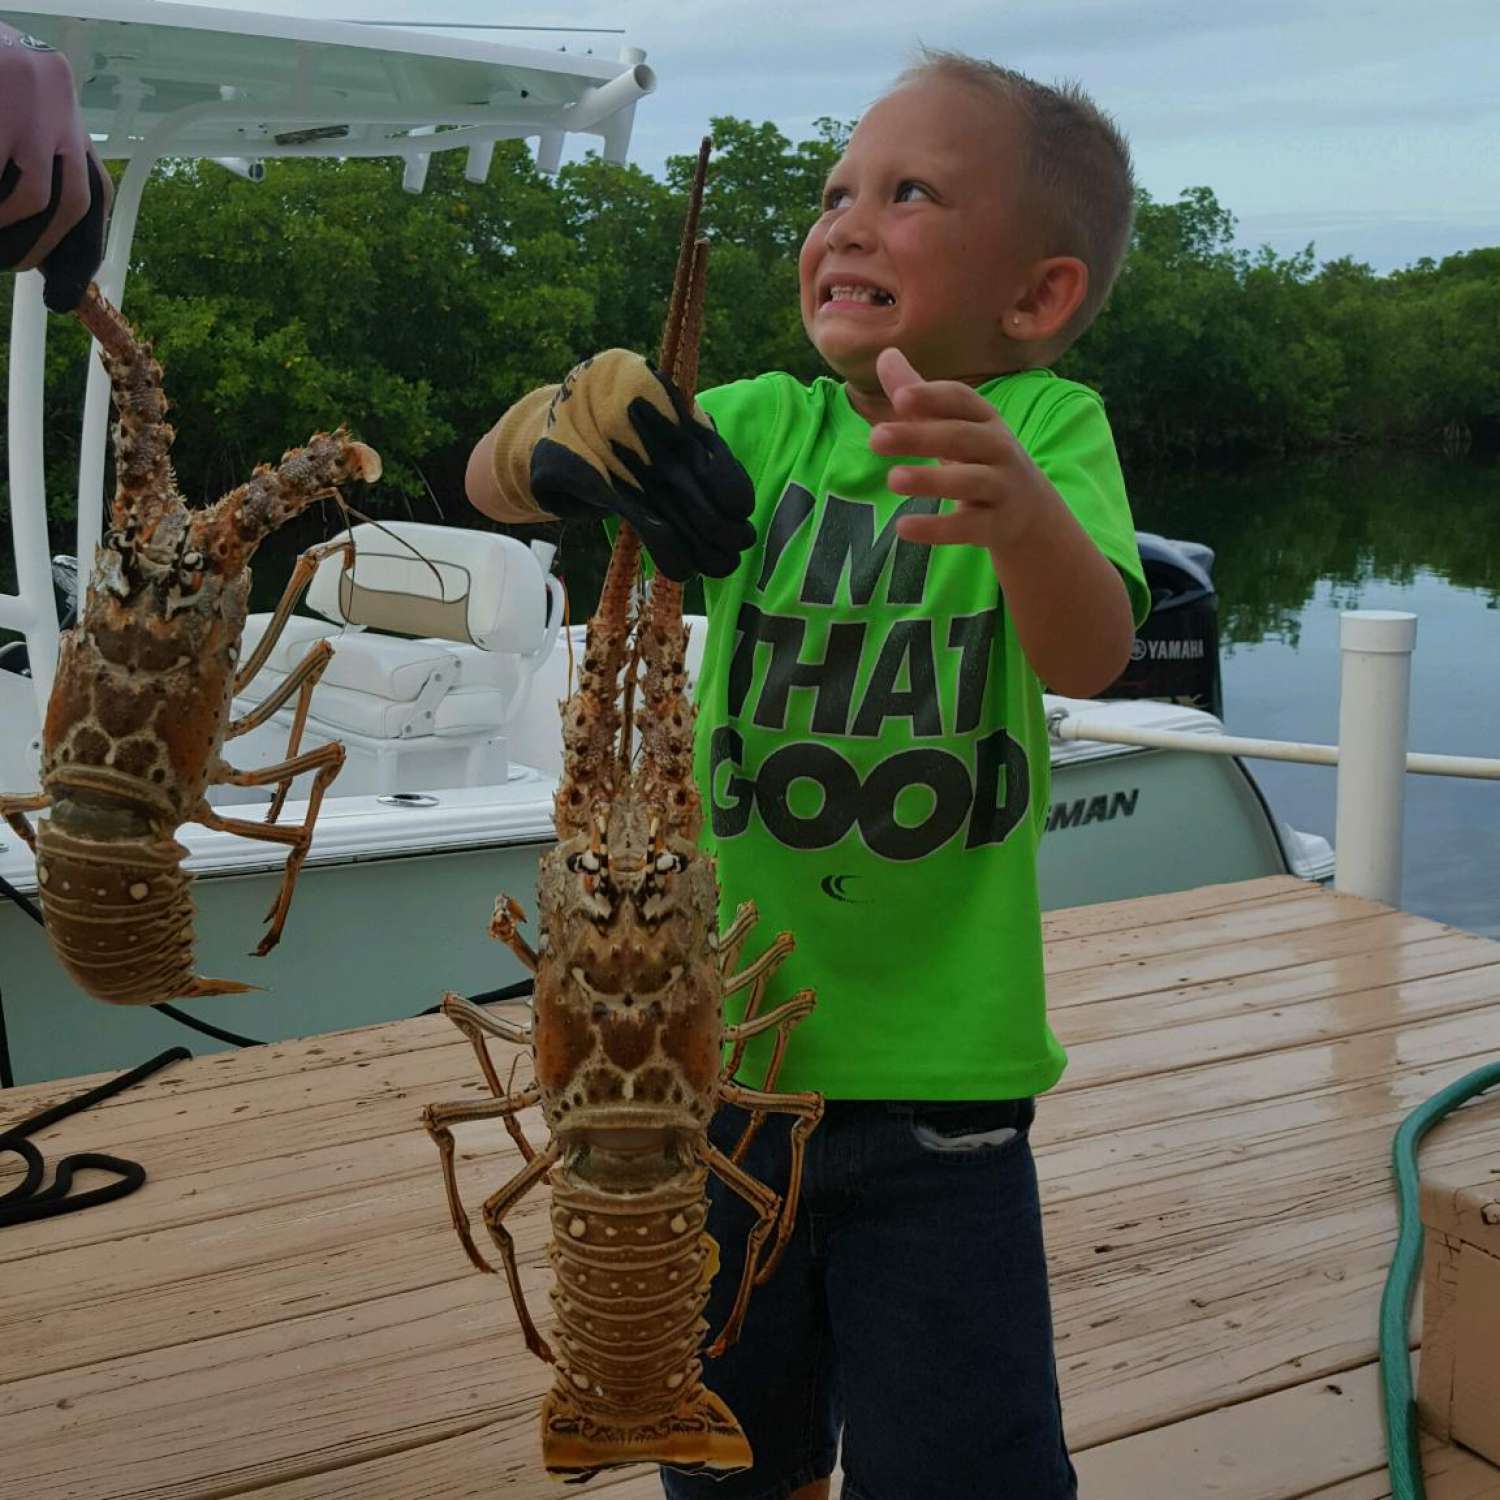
column 1098, row 809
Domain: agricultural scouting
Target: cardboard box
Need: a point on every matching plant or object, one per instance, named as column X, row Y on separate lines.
column 1458, row 1387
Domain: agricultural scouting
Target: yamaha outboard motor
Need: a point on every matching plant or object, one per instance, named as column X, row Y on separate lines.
column 1176, row 652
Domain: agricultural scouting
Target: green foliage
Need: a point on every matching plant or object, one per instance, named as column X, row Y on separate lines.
column 326, row 294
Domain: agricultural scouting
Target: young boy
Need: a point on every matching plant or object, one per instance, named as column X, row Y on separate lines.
column 874, row 759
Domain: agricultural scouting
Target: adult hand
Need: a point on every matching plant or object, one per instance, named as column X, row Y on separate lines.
column 54, row 194
column 998, row 490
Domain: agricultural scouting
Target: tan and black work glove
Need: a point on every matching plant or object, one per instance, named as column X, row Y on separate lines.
column 617, row 436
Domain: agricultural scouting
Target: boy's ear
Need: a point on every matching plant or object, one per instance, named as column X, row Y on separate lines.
column 1058, row 287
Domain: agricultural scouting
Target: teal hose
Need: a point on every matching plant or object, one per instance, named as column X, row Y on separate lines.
column 1402, row 1446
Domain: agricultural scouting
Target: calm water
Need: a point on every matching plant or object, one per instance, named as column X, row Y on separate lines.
column 1297, row 543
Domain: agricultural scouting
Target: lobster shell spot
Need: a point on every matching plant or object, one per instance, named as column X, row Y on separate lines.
column 691, row 1038
column 132, row 643
column 136, row 756
column 563, row 1041
column 121, row 709
column 627, row 1041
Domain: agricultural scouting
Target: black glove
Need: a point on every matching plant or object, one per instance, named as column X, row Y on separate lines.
column 66, row 273
column 68, row 269
column 663, row 467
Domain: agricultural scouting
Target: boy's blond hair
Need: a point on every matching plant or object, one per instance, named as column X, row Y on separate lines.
column 1079, row 182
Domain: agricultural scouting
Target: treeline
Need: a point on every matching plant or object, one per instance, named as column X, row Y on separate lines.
column 326, row 294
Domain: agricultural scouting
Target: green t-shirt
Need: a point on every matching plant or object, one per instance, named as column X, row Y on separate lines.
column 873, row 750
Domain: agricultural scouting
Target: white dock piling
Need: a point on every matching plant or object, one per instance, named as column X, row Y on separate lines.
column 1374, row 711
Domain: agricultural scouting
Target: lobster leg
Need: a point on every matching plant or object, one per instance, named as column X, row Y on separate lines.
column 305, row 676
column 758, row 973
column 496, row 1206
column 12, row 809
column 733, row 937
column 504, row 929
column 767, row 1204
column 439, row 1120
column 313, row 665
column 809, row 1109
column 326, row 761
column 302, row 573
column 476, row 1024
column 783, row 1018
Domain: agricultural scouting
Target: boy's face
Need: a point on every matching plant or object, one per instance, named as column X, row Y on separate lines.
column 921, row 244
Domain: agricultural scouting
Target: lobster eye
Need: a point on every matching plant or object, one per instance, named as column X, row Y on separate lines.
column 192, row 560
column 668, row 864
column 588, row 860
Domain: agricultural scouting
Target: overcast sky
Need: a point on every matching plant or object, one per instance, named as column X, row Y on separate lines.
column 1369, row 127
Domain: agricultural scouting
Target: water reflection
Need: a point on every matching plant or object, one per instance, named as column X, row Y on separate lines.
column 1282, row 530
column 1297, row 544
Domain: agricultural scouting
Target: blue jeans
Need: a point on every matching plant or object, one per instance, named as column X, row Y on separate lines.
column 910, row 1315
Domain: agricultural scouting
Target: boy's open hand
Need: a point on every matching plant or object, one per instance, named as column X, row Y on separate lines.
column 998, row 489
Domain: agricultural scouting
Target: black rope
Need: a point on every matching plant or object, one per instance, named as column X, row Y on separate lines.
column 29, row 1200
column 7, row 1073
column 206, row 1027
column 493, row 997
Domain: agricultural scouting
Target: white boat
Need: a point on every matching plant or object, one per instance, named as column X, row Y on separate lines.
column 446, row 674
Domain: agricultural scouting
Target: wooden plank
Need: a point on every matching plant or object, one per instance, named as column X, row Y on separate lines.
column 1390, row 1009
column 1173, row 906
column 1242, row 924
column 1075, row 1161
column 1449, row 1474
column 1150, row 971
column 1317, row 1432
column 235, row 1411
column 1364, row 972
column 1364, row 1057
column 1322, row 1437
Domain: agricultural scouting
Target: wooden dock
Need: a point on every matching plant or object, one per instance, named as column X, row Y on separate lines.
column 284, row 1311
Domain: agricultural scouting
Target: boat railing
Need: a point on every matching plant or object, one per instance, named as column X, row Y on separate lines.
column 1371, row 757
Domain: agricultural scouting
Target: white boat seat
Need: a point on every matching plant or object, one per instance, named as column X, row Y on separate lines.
column 342, row 711
column 300, row 634
column 474, row 587
column 478, row 670
column 483, row 606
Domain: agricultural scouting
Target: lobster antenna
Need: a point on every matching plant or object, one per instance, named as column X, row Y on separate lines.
column 680, row 336
column 687, row 254
column 684, row 371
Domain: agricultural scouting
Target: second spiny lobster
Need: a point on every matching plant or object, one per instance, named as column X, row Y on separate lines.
column 141, row 705
column 627, row 1043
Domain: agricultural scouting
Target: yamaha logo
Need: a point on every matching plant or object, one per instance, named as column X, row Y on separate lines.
column 1167, row 650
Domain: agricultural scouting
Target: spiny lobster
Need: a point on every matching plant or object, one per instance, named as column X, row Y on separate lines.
column 145, row 681
column 627, row 1042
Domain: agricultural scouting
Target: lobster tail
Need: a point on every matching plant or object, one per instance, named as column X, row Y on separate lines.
column 629, row 1386
column 120, row 916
